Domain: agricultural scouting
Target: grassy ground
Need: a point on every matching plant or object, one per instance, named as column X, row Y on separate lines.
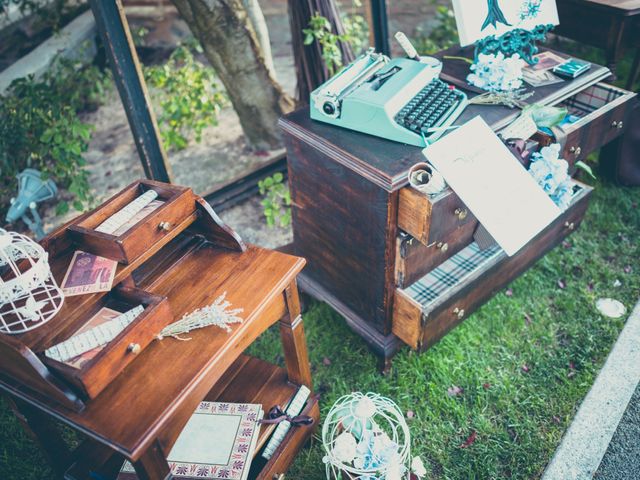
column 523, row 362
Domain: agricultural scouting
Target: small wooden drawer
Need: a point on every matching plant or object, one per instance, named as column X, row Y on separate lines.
column 603, row 110
column 426, row 310
column 162, row 223
column 414, row 259
column 92, row 372
column 431, row 219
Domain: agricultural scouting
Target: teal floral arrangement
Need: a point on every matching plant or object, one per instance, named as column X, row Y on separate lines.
column 496, row 73
column 552, row 174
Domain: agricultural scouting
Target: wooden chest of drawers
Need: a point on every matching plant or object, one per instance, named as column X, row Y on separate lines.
column 374, row 245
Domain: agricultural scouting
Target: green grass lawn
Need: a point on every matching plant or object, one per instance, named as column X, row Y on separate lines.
column 524, row 361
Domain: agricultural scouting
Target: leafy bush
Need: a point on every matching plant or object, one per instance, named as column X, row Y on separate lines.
column 443, row 35
column 40, row 129
column 356, row 28
column 276, row 201
column 188, row 94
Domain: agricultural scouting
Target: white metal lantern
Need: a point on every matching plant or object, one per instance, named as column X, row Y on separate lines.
column 365, row 437
column 29, row 295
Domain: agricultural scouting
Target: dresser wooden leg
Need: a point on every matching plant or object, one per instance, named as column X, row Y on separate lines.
column 293, row 339
column 152, row 465
column 384, row 365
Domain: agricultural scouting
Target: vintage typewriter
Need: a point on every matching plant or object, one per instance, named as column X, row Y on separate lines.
column 401, row 99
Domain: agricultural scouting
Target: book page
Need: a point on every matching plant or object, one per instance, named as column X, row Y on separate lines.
column 493, row 184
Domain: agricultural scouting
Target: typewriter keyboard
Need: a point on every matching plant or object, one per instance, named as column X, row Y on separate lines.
column 430, row 108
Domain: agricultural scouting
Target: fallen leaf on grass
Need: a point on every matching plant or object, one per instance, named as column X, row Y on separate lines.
column 617, row 283
column 410, row 414
column 590, row 286
column 509, row 292
column 486, row 386
column 470, row 440
column 562, row 284
column 566, row 244
column 454, row 391
column 572, row 370
column 628, row 269
column 525, row 368
column 556, row 419
column 527, row 319
column 326, row 362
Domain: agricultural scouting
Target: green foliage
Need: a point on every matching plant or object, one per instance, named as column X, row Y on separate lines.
column 443, row 35
column 188, row 94
column 50, row 15
column 277, row 200
column 356, row 28
column 40, row 128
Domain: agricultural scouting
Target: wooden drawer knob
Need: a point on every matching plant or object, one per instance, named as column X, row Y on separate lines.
column 619, row 125
column 134, row 348
column 570, row 225
column 576, row 151
column 443, row 246
column 461, row 213
column 459, row 312
column 165, row 226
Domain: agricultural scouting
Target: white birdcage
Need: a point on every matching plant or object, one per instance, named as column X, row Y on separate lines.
column 29, row 295
column 366, row 437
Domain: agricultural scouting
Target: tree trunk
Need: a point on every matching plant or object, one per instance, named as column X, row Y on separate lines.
column 231, row 45
column 260, row 26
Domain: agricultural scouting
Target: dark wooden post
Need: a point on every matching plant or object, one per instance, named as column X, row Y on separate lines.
column 116, row 37
column 380, row 26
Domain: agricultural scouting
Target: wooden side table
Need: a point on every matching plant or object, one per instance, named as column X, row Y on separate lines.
column 140, row 414
column 608, row 24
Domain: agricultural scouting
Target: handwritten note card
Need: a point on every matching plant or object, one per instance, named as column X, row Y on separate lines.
column 493, row 184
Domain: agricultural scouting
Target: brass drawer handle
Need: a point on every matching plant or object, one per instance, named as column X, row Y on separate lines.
column 134, row 348
column 570, row 225
column 461, row 213
column 165, row 226
column 443, row 246
column 459, row 312
column 619, row 125
column 576, row 151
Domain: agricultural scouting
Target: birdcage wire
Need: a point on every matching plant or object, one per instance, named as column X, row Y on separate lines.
column 29, row 295
column 343, row 417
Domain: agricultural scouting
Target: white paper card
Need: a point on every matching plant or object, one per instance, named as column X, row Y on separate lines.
column 477, row 19
column 497, row 189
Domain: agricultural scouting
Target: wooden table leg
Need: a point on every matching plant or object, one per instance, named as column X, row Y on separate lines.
column 635, row 70
column 44, row 432
column 614, row 43
column 152, row 465
column 293, row 340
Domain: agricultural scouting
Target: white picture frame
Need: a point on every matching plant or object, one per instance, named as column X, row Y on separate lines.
column 478, row 19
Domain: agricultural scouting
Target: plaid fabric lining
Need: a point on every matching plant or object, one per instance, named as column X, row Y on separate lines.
column 591, row 99
column 450, row 273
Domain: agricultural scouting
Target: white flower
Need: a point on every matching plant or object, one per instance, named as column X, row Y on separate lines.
column 344, row 448
column 395, row 470
column 417, row 467
column 365, row 408
column 496, row 73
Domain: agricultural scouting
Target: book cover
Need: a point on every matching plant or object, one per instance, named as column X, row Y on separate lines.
column 217, row 443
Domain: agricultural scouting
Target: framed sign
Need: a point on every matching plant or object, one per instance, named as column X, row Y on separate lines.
column 481, row 18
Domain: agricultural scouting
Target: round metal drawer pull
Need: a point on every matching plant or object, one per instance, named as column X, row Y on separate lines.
column 166, row 226
column 619, row 125
column 461, row 213
column 576, row 151
column 134, row 348
column 570, row 225
column 443, row 246
column 459, row 312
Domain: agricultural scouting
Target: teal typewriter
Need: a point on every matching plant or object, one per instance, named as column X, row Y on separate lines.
column 401, row 99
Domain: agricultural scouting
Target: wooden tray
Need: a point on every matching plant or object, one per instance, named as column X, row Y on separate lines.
column 178, row 205
column 96, row 371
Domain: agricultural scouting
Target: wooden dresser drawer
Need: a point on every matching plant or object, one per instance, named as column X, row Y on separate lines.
column 431, row 220
column 426, row 310
column 603, row 110
column 414, row 259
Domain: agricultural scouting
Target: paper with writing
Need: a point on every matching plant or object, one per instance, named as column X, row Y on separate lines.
column 88, row 273
column 497, row 189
